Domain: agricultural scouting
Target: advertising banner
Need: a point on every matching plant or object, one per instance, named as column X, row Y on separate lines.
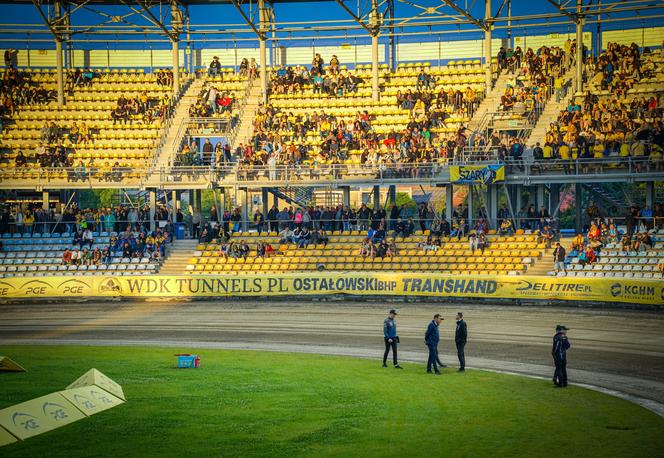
column 477, row 174
column 627, row 290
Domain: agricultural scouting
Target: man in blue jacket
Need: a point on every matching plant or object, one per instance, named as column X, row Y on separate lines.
column 431, row 338
column 391, row 338
column 559, row 353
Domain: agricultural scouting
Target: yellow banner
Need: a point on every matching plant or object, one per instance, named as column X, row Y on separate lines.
column 38, row 416
column 641, row 291
column 477, row 174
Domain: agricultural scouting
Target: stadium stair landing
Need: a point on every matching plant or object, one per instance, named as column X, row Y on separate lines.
column 179, row 254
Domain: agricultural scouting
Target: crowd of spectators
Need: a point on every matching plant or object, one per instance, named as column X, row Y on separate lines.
column 303, row 226
column 141, row 108
column 164, row 77
column 192, row 154
column 132, row 243
column 310, row 227
column 615, row 127
column 34, row 219
column 536, row 75
column 282, row 137
column 639, row 224
column 57, row 143
column 128, row 229
column 16, row 89
column 332, row 81
column 211, row 102
column 247, row 68
column 78, row 77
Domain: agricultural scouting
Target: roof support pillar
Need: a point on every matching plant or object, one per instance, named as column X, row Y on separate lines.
column 176, row 19
column 59, row 60
column 153, row 209
column 487, row 46
column 175, row 52
column 375, row 89
column 492, row 199
column 578, row 194
column 375, row 31
column 262, row 38
column 449, row 202
column 579, row 47
column 392, row 42
column 471, row 206
column 59, row 64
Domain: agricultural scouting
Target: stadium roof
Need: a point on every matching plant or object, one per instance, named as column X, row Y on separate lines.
column 150, row 3
column 118, row 21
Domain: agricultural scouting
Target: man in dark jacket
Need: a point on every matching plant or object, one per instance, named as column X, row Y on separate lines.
column 423, row 215
column 272, row 217
column 460, row 337
column 391, row 338
column 363, row 216
column 394, row 216
column 431, row 339
column 559, row 258
column 559, row 353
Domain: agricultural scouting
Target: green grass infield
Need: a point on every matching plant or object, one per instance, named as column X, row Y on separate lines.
column 246, row 403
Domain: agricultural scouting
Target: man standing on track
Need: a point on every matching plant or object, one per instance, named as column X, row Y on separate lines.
column 559, row 352
column 391, row 338
column 460, row 337
column 431, row 338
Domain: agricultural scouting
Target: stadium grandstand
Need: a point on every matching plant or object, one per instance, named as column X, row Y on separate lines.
column 144, row 138
column 373, row 228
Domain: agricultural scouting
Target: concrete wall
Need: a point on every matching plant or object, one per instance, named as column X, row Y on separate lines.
column 427, row 49
column 653, row 36
column 552, row 39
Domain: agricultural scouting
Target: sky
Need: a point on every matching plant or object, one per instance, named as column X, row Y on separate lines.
column 215, row 15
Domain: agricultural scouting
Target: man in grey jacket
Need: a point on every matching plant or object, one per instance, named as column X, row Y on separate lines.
column 391, row 338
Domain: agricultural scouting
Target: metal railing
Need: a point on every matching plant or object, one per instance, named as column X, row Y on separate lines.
column 582, row 167
column 235, row 130
column 199, row 127
column 60, row 226
column 352, row 220
column 91, row 176
column 179, row 135
column 302, row 173
column 516, row 169
column 184, row 86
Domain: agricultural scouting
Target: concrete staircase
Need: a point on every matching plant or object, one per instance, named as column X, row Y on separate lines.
column 551, row 110
column 178, row 258
column 542, row 265
column 490, row 103
column 245, row 130
column 174, row 133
